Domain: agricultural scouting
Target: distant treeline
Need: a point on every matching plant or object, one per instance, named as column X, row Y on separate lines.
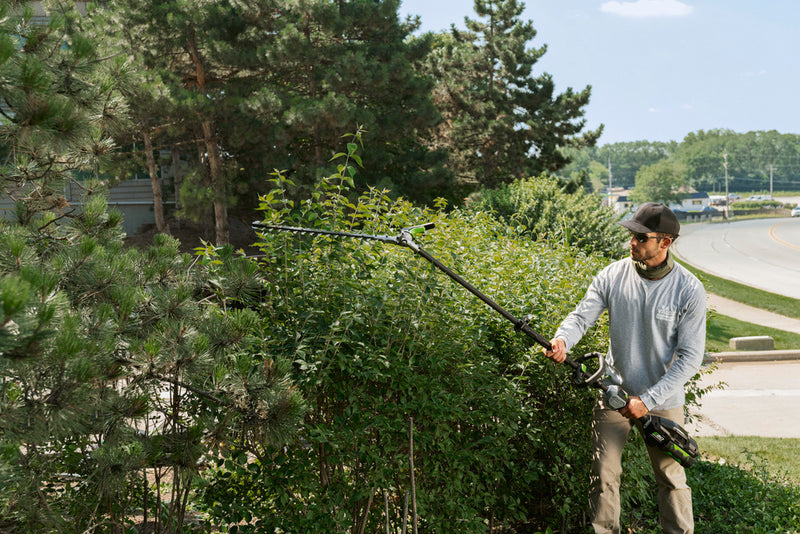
column 753, row 159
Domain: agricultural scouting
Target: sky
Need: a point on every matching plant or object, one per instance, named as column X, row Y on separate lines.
column 661, row 69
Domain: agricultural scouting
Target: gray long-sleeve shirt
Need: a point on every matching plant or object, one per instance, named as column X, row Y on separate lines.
column 657, row 330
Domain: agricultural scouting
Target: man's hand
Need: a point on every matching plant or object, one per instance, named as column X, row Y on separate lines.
column 558, row 352
column 635, row 408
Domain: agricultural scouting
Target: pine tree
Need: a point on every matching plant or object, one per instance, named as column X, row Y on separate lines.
column 177, row 45
column 115, row 364
column 275, row 84
column 59, row 107
column 336, row 66
column 502, row 122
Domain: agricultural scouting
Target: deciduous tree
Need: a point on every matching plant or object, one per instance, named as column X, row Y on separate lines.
column 659, row 182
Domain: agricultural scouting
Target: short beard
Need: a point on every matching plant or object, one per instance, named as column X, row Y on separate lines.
column 643, row 258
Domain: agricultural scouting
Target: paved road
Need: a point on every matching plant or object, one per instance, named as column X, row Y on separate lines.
column 762, row 253
column 760, row 399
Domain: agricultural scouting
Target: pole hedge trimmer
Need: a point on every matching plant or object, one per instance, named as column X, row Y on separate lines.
column 658, row 432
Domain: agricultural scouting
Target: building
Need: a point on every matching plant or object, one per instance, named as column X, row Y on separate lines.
column 694, row 202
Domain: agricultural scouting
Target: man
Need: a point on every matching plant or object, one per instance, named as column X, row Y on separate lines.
column 657, row 325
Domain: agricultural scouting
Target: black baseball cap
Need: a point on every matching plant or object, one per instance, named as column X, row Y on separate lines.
column 653, row 217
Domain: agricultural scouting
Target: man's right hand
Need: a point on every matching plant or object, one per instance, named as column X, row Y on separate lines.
column 558, row 351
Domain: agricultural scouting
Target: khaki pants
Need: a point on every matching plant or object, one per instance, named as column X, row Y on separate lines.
column 609, row 434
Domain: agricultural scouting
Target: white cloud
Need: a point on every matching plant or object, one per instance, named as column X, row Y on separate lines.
column 647, row 8
column 652, row 110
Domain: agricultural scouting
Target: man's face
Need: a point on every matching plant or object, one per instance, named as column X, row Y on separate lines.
column 647, row 250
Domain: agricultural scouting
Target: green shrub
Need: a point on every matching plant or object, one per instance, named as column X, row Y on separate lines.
column 726, row 498
column 379, row 338
column 744, row 205
column 539, row 209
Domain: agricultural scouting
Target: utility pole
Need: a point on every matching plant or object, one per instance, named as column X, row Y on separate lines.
column 609, row 175
column 771, row 168
column 725, row 164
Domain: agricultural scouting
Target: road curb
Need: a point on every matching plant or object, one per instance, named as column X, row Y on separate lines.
column 752, row 356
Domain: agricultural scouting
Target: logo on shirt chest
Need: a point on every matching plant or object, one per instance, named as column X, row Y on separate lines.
column 666, row 313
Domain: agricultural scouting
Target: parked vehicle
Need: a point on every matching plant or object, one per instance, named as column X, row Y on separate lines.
column 796, row 212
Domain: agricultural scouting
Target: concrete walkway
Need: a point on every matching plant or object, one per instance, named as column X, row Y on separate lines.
column 746, row 313
column 760, row 395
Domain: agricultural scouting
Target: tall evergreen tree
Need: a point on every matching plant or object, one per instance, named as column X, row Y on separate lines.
column 348, row 64
column 501, row 121
column 178, row 42
column 273, row 84
column 326, row 68
column 115, row 365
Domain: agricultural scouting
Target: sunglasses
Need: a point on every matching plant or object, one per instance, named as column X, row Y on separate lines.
column 642, row 238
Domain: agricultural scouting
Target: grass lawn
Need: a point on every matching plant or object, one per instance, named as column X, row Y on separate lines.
column 747, row 295
column 778, row 456
column 721, row 328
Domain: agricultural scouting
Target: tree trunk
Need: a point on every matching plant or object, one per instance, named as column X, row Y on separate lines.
column 222, row 231
column 158, row 201
column 218, row 184
column 363, row 515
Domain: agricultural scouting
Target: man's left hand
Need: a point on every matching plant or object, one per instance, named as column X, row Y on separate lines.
column 635, row 408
